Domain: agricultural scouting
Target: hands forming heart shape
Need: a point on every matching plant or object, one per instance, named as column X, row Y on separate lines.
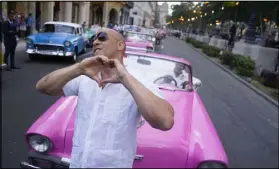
column 93, row 65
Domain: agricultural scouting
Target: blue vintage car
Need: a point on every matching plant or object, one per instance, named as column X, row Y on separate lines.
column 57, row 39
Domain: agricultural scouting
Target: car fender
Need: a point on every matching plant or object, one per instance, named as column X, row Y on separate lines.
column 205, row 144
column 54, row 121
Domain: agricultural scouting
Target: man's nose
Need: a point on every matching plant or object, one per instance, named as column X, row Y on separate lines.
column 96, row 42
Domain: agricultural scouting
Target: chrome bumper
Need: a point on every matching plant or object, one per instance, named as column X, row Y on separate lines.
column 27, row 165
column 49, row 52
column 37, row 160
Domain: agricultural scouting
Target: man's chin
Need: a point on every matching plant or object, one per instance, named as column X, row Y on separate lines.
column 98, row 52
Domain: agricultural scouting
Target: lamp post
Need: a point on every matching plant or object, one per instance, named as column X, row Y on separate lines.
column 250, row 34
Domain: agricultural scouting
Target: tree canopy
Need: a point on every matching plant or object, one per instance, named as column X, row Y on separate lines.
column 209, row 12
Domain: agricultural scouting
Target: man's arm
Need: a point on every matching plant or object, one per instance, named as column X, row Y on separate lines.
column 53, row 83
column 156, row 111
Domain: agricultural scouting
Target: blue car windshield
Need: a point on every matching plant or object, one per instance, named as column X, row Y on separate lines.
column 59, row 28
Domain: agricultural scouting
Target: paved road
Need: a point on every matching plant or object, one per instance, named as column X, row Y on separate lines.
column 247, row 124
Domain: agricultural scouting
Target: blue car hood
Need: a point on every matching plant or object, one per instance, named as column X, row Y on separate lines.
column 56, row 38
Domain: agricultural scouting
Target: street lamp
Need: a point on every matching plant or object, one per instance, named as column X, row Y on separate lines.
column 194, row 11
column 193, row 19
column 212, row 11
column 201, row 16
column 205, row 14
column 222, row 8
column 189, row 20
column 237, row 3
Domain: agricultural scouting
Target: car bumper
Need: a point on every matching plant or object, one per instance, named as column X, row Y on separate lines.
column 37, row 160
column 48, row 52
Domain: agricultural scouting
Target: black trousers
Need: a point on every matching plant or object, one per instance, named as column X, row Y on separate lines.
column 10, row 51
column 28, row 30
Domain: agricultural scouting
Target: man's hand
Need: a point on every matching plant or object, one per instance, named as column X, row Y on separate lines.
column 92, row 66
column 117, row 72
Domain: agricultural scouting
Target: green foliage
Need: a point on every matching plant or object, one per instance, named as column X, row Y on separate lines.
column 243, row 65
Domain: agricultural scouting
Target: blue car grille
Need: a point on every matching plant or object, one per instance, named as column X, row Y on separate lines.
column 49, row 47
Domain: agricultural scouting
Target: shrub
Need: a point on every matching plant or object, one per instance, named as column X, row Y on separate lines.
column 244, row 65
column 211, row 51
column 228, row 58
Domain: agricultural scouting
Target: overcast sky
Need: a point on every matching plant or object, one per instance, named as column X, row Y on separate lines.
column 172, row 3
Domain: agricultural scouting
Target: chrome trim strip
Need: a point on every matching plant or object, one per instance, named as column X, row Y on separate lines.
column 67, row 161
column 27, row 165
column 136, row 48
column 49, row 44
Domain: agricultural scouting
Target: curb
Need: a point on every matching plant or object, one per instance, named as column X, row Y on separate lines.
column 265, row 96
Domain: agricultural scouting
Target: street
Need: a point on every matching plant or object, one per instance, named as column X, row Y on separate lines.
column 246, row 123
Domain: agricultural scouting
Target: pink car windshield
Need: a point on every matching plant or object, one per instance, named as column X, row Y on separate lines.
column 138, row 37
column 167, row 73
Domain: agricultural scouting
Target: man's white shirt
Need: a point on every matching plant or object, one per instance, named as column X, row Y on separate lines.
column 106, row 121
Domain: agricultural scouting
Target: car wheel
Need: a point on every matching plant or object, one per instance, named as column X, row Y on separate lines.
column 32, row 57
column 85, row 49
column 75, row 57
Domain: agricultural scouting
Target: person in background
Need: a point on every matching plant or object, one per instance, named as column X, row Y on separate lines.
column 232, row 33
column 110, row 25
column 29, row 22
column 22, row 27
column 10, row 41
column 83, row 25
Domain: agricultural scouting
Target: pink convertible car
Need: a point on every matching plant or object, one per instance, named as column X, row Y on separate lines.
column 192, row 142
column 138, row 41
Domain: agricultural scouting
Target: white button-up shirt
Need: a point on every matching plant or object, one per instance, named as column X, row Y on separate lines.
column 106, row 121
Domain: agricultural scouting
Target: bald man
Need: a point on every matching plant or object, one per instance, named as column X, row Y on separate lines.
column 110, row 103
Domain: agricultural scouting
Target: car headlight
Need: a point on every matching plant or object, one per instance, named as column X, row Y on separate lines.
column 67, row 43
column 39, row 143
column 211, row 165
column 28, row 41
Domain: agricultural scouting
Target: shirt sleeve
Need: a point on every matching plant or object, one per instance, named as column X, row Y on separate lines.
column 71, row 88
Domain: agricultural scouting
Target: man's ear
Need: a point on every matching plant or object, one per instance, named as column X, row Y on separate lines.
column 120, row 46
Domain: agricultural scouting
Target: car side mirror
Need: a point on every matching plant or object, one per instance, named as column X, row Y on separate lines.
column 197, row 86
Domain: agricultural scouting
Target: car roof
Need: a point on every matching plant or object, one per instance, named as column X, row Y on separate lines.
column 157, row 55
column 64, row 23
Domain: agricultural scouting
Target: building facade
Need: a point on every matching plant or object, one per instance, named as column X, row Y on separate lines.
column 143, row 14
column 163, row 13
column 93, row 12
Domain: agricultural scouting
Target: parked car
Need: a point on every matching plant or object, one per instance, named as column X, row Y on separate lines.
column 57, row 39
column 191, row 143
column 139, row 41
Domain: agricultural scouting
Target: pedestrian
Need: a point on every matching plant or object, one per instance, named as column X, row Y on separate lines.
column 111, row 101
column 232, row 33
column 22, row 27
column 29, row 22
column 10, row 41
column 83, row 25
